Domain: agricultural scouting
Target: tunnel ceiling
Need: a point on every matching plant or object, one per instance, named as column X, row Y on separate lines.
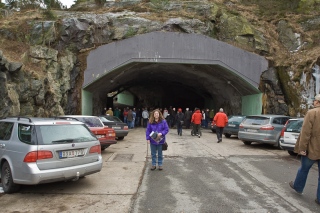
column 205, row 80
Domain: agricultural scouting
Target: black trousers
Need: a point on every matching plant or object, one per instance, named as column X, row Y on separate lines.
column 219, row 131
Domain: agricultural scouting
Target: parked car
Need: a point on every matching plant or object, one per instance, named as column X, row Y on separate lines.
column 262, row 129
column 115, row 123
column 41, row 150
column 106, row 135
column 290, row 134
column 232, row 127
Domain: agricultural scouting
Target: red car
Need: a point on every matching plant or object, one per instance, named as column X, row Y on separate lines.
column 106, row 135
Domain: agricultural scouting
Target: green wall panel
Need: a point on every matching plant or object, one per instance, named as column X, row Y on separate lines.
column 86, row 103
column 252, row 104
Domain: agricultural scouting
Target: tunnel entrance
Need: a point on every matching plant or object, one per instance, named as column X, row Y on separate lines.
column 162, row 69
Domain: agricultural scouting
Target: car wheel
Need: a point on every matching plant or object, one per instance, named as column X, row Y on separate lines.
column 6, row 179
column 278, row 144
column 120, row 138
column 292, row 153
column 227, row 135
column 247, row 142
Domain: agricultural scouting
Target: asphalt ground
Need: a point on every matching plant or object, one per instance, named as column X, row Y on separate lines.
column 199, row 175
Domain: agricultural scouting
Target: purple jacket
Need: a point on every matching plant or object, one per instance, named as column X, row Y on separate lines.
column 161, row 127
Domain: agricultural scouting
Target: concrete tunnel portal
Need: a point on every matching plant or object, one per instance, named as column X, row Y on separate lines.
column 162, row 69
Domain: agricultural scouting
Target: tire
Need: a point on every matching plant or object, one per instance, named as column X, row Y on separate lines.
column 227, row 135
column 292, row 153
column 247, row 142
column 6, row 179
column 120, row 138
column 103, row 148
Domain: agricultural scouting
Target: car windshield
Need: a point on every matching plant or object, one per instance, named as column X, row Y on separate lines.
column 91, row 121
column 53, row 134
column 294, row 126
column 236, row 119
column 256, row 120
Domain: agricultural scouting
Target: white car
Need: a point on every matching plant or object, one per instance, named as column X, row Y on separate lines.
column 290, row 134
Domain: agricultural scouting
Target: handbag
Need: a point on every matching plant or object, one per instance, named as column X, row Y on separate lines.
column 165, row 146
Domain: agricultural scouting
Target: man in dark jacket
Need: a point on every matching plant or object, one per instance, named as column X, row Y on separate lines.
column 187, row 118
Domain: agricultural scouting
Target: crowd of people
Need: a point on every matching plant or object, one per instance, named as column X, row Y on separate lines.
column 136, row 117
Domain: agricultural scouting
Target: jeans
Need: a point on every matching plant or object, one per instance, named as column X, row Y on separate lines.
column 145, row 122
column 156, row 149
column 302, row 175
column 219, row 131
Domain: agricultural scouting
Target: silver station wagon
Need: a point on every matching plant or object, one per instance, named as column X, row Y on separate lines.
column 262, row 129
column 42, row 150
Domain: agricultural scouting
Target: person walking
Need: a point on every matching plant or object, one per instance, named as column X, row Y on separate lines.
column 187, row 116
column 109, row 112
column 221, row 121
column 196, row 120
column 130, row 119
column 207, row 122
column 145, row 117
column 117, row 112
column 159, row 126
column 179, row 120
column 308, row 146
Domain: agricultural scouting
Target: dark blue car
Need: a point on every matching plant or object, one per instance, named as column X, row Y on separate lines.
column 232, row 127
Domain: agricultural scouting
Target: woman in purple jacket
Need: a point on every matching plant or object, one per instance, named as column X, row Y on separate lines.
column 156, row 130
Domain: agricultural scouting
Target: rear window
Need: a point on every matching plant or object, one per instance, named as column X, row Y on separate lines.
column 256, row 120
column 236, row 119
column 91, row 121
column 58, row 134
column 294, row 126
column 110, row 118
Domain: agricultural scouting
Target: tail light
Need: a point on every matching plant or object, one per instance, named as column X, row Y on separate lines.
column 282, row 132
column 267, row 127
column 125, row 128
column 241, row 125
column 95, row 149
column 111, row 133
column 283, row 129
column 37, row 155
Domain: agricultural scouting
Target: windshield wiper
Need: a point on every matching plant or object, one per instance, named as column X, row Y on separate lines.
column 63, row 141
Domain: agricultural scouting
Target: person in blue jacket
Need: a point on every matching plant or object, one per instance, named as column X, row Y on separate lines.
column 157, row 129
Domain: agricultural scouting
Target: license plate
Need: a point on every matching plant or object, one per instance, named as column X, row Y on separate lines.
column 72, row 153
column 252, row 130
column 116, row 127
column 232, row 125
column 100, row 136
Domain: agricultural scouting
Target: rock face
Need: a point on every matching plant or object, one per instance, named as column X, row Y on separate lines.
column 58, row 49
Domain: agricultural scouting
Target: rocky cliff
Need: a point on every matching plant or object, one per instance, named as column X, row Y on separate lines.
column 42, row 61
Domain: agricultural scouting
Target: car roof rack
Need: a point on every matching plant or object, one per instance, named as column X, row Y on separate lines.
column 19, row 117
column 66, row 117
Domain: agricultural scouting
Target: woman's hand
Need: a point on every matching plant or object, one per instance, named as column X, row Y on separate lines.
column 148, row 141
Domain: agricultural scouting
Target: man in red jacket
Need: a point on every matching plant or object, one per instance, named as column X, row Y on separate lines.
column 221, row 121
column 196, row 120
